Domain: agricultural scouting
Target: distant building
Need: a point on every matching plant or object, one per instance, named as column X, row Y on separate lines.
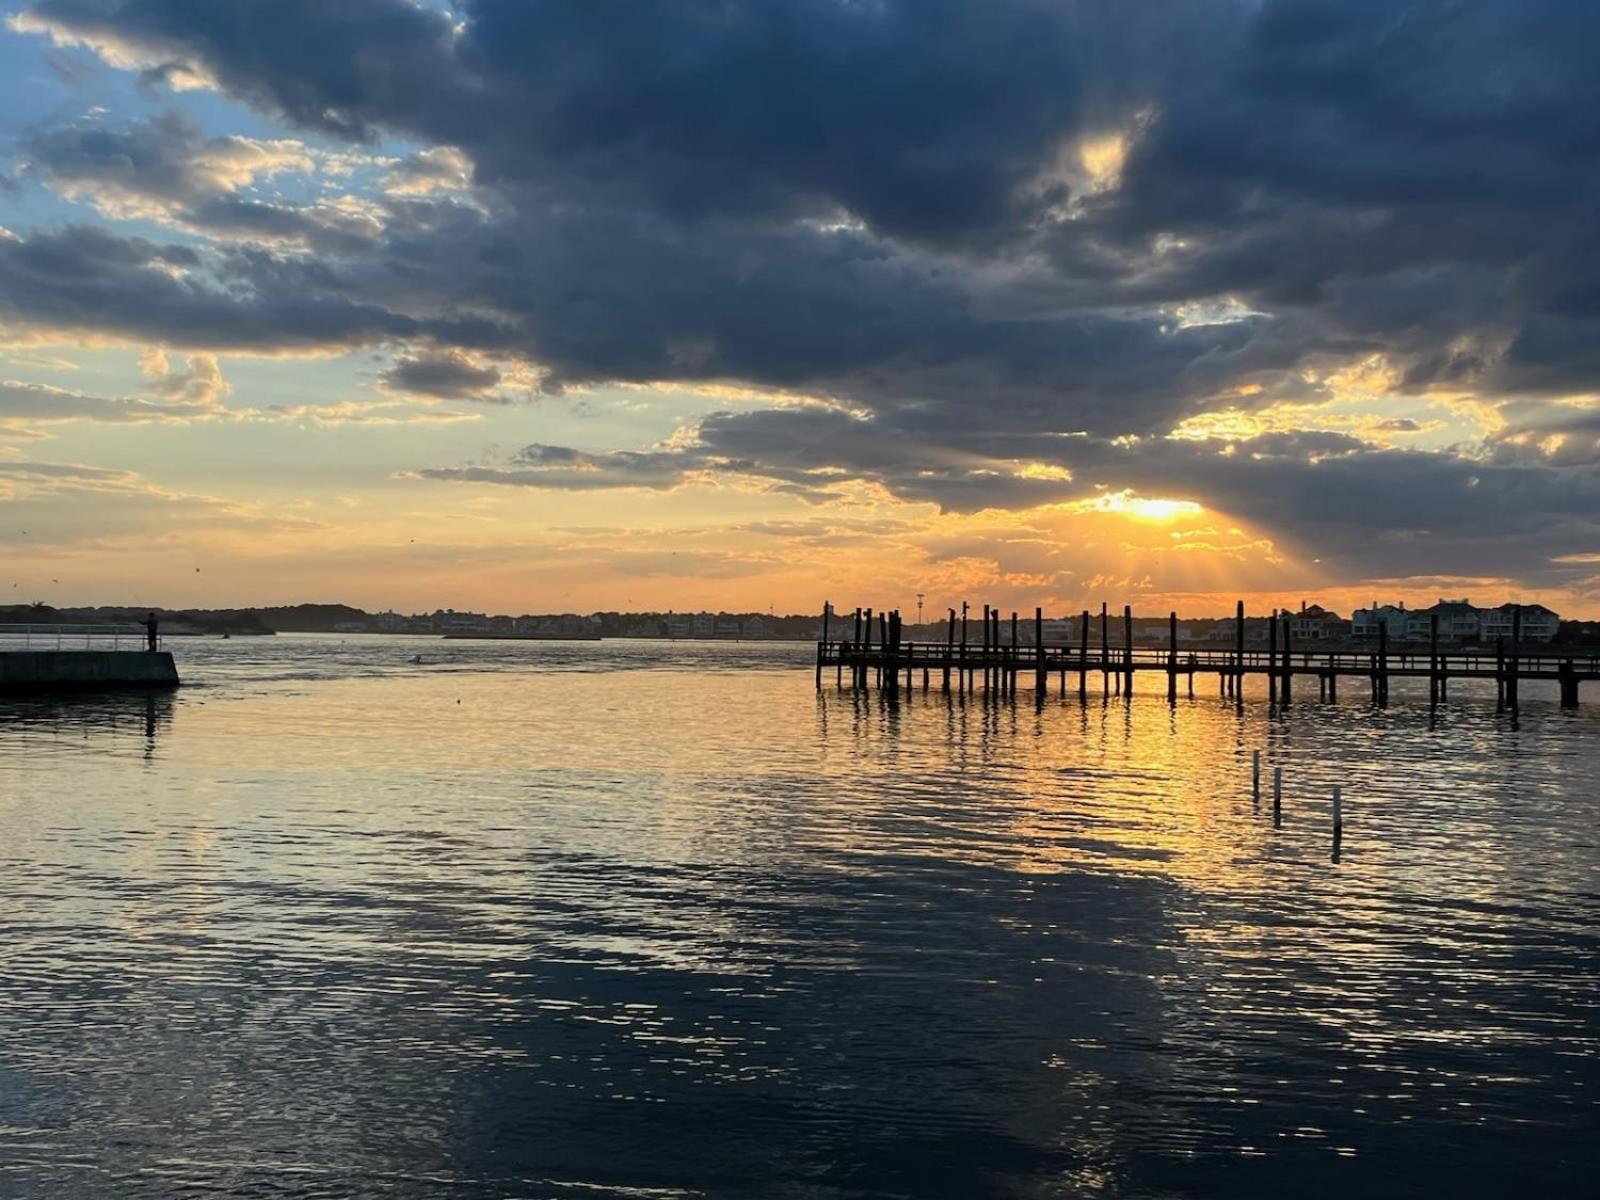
column 1459, row 621
column 680, row 625
column 755, row 626
column 705, row 625
column 1539, row 624
column 1313, row 623
column 390, row 622
column 1391, row 618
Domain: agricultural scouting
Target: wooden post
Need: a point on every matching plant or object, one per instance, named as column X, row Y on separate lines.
column 1567, row 675
column 949, row 650
column 1127, row 647
column 963, row 675
column 822, row 641
column 1286, row 683
column 1038, row 651
column 981, row 670
column 1500, row 671
column 1255, row 776
column 1272, row 658
column 1105, row 650
column 1238, row 678
column 884, row 650
column 888, row 667
column 1277, row 795
column 1338, row 815
column 1433, row 659
column 1011, row 683
column 1083, row 656
column 1382, row 682
column 1172, row 657
column 1516, row 658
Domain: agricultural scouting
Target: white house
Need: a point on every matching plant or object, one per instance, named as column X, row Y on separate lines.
column 1365, row 622
column 1539, row 624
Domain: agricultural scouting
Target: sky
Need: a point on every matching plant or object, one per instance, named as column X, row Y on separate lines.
column 551, row 305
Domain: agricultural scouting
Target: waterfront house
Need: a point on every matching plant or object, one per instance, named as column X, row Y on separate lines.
column 1313, row 623
column 1391, row 618
column 1539, row 624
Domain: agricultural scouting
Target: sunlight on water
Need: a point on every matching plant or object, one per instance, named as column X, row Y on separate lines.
column 658, row 920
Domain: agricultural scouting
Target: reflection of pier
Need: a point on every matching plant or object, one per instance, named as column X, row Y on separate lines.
column 872, row 653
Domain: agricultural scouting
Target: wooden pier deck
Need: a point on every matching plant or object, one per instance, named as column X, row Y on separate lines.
column 872, row 653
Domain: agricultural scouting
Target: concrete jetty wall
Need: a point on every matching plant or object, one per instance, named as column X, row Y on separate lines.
column 85, row 670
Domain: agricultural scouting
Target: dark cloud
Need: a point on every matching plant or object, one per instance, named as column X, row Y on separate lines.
column 561, row 468
column 446, row 375
column 83, row 278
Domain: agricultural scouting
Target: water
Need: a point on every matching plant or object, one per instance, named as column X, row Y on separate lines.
column 619, row 919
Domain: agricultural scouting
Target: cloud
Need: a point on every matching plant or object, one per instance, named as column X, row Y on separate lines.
column 1014, row 244
column 33, row 404
column 562, row 468
column 445, row 375
column 153, row 166
column 438, row 168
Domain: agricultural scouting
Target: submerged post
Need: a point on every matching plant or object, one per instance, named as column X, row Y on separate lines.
column 1255, row 775
column 1338, row 814
column 1277, row 795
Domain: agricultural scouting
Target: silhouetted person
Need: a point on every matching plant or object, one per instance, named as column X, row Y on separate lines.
column 150, row 631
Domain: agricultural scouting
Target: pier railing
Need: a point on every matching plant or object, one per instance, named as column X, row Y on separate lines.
column 877, row 650
column 40, row 636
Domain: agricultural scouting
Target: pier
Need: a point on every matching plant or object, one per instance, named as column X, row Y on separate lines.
column 41, row 659
column 867, row 651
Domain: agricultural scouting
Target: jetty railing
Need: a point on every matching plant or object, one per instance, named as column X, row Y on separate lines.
column 41, row 636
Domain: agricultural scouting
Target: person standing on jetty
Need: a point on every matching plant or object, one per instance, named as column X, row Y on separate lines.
column 150, row 627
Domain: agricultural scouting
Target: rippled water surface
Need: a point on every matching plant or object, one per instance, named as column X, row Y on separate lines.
column 656, row 920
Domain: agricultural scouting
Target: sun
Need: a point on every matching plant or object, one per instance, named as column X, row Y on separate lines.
column 1155, row 509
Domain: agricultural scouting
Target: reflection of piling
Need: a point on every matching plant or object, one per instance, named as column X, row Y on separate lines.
column 1277, row 795
column 1255, row 776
